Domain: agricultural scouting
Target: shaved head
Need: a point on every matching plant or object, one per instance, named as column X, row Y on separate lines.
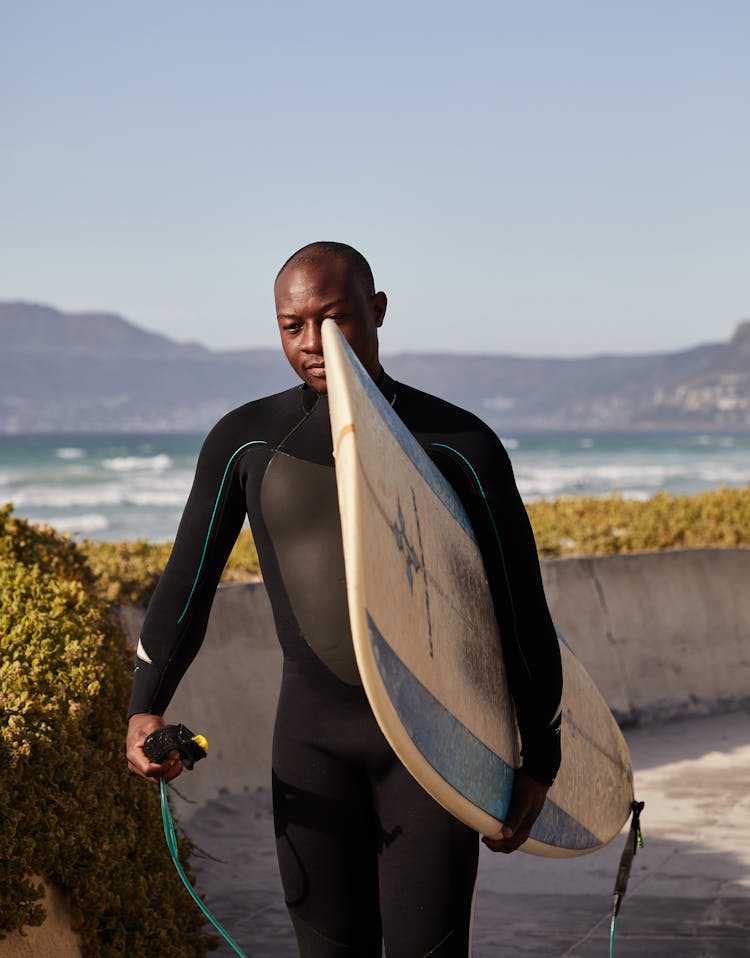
column 327, row 281
column 314, row 254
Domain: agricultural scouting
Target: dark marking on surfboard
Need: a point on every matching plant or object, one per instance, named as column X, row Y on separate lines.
column 481, row 661
column 481, row 667
column 405, row 547
column 424, row 574
column 460, row 758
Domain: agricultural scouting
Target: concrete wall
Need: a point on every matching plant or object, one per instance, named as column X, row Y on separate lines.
column 662, row 635
column 228, row 694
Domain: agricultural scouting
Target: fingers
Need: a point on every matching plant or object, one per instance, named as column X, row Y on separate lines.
column 139, row 727
column 512, row 837
column 140, row 765
column 527, row 801
column 170, row 768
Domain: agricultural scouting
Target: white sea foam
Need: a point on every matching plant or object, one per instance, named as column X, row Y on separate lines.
column 86, row 523
column 720, row 474
column 157, row 498
column 723, row 442
column 70, row 452
column 171, row 492
column 581, row 475
column 159, row 463
column 70, row 497
column 632, row 480
column 640, row 495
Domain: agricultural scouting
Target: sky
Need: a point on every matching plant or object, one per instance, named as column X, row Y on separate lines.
column 534, row 178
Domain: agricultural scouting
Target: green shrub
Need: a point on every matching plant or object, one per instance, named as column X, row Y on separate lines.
column 69, row 810
column 590, row 526
column 242, row 564
column 126, row 573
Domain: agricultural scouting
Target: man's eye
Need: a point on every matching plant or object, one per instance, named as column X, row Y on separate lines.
column 292, row 327
column 337, row 317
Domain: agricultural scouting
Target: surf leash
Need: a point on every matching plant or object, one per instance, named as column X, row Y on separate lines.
column 192, row 748
column 633, row 843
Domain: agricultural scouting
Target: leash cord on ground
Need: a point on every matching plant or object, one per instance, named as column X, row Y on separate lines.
column 612, row 937
column 633, row 842
column 171, row 836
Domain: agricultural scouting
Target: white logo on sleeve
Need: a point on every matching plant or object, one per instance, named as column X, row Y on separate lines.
column 142, row 654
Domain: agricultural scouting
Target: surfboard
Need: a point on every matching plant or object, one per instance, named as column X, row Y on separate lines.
column 427, row 642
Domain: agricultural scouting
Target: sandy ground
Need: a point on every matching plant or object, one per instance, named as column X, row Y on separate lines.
column 53, row 939
column 689, row 893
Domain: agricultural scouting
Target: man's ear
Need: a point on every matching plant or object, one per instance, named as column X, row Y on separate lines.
column 380, row 304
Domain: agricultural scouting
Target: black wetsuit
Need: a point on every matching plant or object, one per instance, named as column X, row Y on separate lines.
column 363, row 850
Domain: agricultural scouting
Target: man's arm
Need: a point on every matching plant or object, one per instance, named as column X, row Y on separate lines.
column 177, row 616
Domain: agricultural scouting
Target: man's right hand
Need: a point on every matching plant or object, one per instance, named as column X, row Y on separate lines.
column 140, row 726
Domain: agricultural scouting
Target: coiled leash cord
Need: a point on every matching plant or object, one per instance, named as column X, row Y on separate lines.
column 191, row 748
column 633, row 843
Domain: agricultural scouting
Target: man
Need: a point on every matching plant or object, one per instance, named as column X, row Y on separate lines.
column 365, row 854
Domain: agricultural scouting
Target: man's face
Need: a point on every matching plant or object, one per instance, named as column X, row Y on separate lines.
column 305, row 296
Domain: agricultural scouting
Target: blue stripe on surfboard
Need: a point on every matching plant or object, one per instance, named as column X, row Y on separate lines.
column 460, row 757
column 422, row 462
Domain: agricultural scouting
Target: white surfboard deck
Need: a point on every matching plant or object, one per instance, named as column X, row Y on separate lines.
column 427, row 642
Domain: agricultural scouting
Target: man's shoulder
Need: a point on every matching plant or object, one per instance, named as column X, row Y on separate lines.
column 440, row 426
column 287, row 399
column 257, row 420
column 435, row 411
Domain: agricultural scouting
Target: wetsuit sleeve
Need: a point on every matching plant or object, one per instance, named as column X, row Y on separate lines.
column 477, row 466
column 177, row 616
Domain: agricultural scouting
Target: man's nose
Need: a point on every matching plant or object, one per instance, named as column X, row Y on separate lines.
column 311, row 339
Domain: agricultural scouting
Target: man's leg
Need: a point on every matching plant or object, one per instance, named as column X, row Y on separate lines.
column 326, row 843
column 428, row 867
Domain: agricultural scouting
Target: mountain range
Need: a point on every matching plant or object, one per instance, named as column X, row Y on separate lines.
column 86, row 372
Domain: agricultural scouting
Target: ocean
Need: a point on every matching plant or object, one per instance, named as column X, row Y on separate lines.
column 118, row 487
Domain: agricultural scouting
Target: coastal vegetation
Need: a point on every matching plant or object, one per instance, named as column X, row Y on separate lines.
column 69, row 811
column 718, row 519
column 126, row 573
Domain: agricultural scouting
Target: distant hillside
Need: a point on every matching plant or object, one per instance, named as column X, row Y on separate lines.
column 707, row 387
column 97, row 371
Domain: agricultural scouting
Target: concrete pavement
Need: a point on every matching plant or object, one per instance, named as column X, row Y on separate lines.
column 689, row 891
